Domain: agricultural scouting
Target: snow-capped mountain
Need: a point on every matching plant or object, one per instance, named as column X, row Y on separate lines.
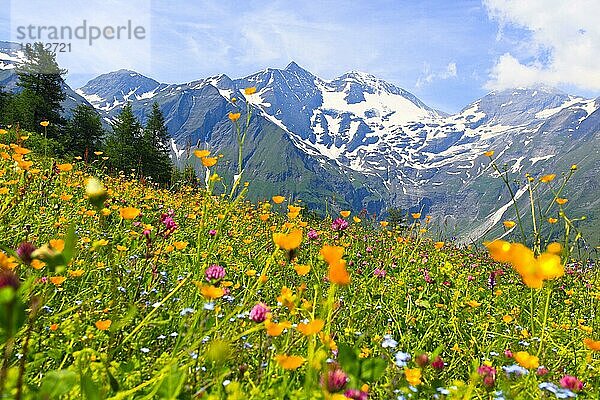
column 358, row 141
column 386, row 144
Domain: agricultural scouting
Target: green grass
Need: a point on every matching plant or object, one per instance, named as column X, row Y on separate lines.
column 167, row 340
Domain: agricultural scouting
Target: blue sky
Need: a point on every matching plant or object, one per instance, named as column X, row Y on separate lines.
column 448, row 53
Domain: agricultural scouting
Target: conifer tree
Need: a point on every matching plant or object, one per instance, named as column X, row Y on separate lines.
column 155, row 158
column 124, row 144
column 84, row 130
column 42, row 81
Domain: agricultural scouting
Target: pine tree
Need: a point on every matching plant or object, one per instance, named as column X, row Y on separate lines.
column 42, row 81
column 84, row 130
column 155, row 157
column 124, row 146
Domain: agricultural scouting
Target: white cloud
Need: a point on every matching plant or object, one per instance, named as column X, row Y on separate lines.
column 428, row 76
column 562, row 46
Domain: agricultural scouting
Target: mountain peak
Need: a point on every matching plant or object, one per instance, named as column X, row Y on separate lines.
column 293, row 67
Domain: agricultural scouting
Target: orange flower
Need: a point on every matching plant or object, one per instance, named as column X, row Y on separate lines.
column 21, row 150
column 384, row 224
column 211, row 292
column 129, row 212
column 208, row 161
column 489, row 153
column 250, row 90
column 7, row 262
column 53, row 327
column 64, row 167
column 332, row 254
column 552, row 220
column 416, row 215
column 278, row 199
column 345, row 214
column 338, row 273
column 201, row 153
column 44, row 123
column 591, row 344
column 312, row 327
column 547, row 178
column 289, row 241
column 509, row 224
column 438, row 245
column 561, row 201
column 527, row 360
column 103, row 324
column 234, row 116
column 356, row 219
column 57, row 280
column 289, row 362
column 276, row 329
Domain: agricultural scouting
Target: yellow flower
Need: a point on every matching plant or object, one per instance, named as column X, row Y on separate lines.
column 234, row 116
column 211, row 292
column 509, row 224
column 129, row 212
column 180, row 245
column 64, row 167
column 44, row 123
column 276, row 329
column 289, row 362
column 384, row 224
column 547, row 178
column 103, row 324
column 21, row 150
column 573, row 167
column 250, row 90
column 473, row 303
column 345, row 213
column 507, row 319
column 413, row 376
column 554, row 248
column 438, row 245
column 312, row 327
column 289, row 241
column 208, row 161
column 489, row 153
column 527, row 360
column 76, row 273
column 356, row 219
column 7, row 262
column 278, row 199
column 302, row 269
column 201, row 153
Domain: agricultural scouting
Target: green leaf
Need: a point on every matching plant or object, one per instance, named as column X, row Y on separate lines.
column 348, row 359
column 171, row 385
column 58, row 383
column 89, row 388
column 70, row 241
column 372, row 369
column 7, row 294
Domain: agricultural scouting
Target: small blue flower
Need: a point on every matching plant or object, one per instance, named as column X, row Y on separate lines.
column 515, row 370
column 402, row 359
column 388, row 341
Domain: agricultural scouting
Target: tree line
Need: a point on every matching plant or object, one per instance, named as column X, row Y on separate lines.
column 39, row 96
